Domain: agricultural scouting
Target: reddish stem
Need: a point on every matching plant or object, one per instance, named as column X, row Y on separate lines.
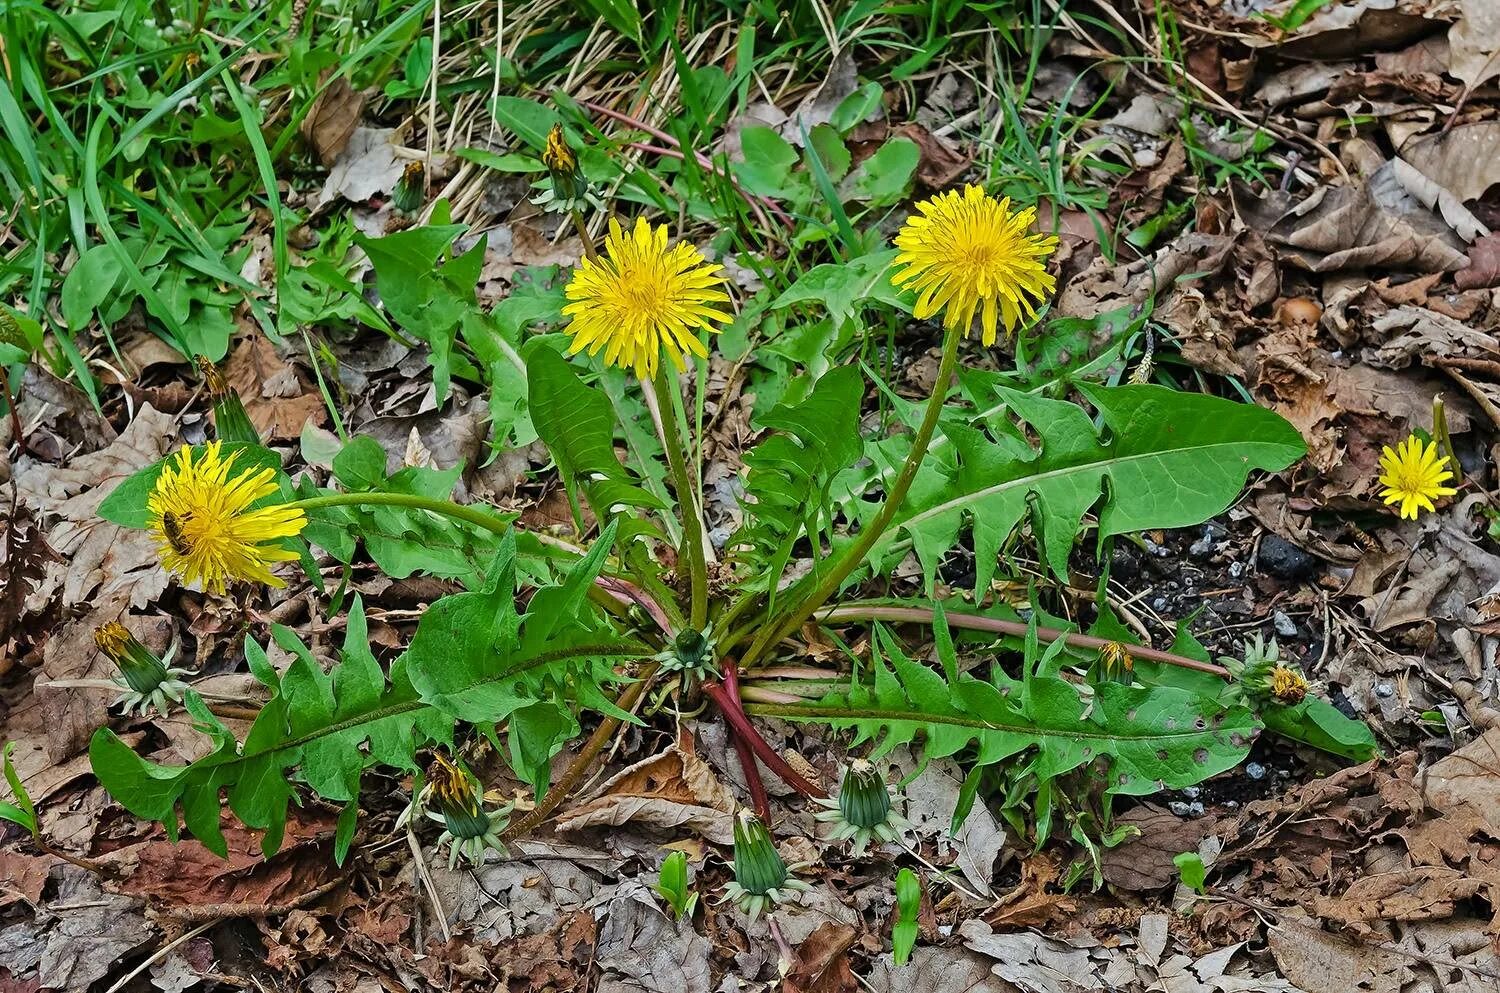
column 753, row 782
column 926, row 615
column 627, row 592
column 739, row 722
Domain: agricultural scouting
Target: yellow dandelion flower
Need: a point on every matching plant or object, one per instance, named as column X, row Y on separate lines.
column 1413, row 476
column 643, row 298
column 965, row 249
column 201, row 514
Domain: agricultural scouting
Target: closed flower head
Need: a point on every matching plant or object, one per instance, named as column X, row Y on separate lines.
column 967, row 252
column 558, row 157
column 1413, row 476
column 202, row 512
column 642, row 298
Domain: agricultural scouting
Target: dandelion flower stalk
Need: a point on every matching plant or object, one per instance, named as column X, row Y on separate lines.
column 1413, row 475
column 692, row 548
column 834, row 577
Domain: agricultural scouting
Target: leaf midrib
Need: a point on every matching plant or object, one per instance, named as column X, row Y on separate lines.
column 789, row 712
column 988, row 491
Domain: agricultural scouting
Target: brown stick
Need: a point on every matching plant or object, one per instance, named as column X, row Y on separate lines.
column 924, row 615
column 15, row 418
column 584, row 762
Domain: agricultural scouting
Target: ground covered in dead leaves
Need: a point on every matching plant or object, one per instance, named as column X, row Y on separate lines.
column 1344, row 274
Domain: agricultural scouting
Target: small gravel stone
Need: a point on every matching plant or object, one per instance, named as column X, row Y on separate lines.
column 1255, row 770
column 1203, row 547
column 1180, row 808
column 1282, row 558
column 1384, row 690
column 1191, row 792
column 1236, row 570
column 1160, row 551
column 1159, row 604
column 1285, row 626
column 1195, row 809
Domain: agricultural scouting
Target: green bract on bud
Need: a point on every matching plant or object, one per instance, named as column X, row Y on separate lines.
column 411, row 189
column 452, row 799
column 147, row 680
column 230, row 420
column 1263, row 676
column 863, row 810
column 690, row 652
column 761, row 878
column 565, row 188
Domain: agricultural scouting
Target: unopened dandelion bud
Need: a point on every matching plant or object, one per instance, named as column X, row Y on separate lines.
column 1116, row 663
column 411, row 189
column 758, row 867
column 862, row 811
column 452, row 799
column 230, row 420
column 562, row 165
column 146, row 680
column 1263, row 676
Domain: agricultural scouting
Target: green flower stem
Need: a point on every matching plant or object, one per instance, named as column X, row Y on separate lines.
column 469, row 515
column 772, row 633
column 590, row 252
column 687, row 499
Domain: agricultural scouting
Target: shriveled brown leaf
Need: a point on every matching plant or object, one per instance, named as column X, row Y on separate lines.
column 1469, row 776
column 279, row 400
column 330, row 122
column 1144, row 862
column 1483, row 270
column 674, row 790
column 822, row 962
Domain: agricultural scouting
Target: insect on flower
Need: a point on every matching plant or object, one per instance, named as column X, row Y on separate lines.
column 208, row 526
column 967, row 252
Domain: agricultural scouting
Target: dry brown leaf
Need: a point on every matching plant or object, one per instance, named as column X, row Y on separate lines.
column 672, row 791
column 1376, row 224
column 331, row 121
column 1422, row 893
column 1144, row 863
column 185, row 873
column 1470, row 776
column 1421, row 335
column 23, row 877
column 1474, row 42
column 279, row 401
column 1483, row 270
column 939, row 163
column 1465, row 159
column 822, row 962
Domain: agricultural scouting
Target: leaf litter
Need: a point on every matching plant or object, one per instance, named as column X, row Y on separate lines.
column 1350, row 306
